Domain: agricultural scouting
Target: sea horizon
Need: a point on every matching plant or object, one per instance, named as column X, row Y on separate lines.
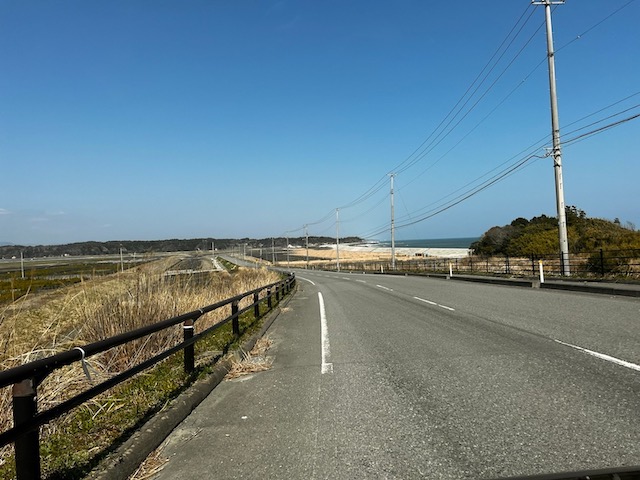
column 454, row 242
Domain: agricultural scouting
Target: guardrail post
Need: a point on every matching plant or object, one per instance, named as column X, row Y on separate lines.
column 256, row 305
column 235, row 321
column 277, row 293
column 27, row 446
column 269, row 298
column 189, row 352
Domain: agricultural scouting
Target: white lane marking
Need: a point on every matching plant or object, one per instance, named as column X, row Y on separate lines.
column 602, row 356
column 425, row 301
column 384, row 288
column 436, row 304
column 361, row 281
column 347, row 278
column 306, row 280
column 327, row 366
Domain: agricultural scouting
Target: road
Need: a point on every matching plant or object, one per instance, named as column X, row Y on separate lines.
column 401, row 377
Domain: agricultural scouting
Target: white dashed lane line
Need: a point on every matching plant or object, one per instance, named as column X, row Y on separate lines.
column 384, row 288
column 435, row 304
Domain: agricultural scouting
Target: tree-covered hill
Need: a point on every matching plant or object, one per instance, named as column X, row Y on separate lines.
column 539, row 236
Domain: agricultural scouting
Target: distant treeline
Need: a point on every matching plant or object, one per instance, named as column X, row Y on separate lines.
column 155, row 246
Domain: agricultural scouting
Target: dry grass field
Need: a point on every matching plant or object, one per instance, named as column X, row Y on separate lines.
column 40, row 325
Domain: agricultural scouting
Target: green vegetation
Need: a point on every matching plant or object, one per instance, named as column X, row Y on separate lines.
column 13, row 286
column 539, row 237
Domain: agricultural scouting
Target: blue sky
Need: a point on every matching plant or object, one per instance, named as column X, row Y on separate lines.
column 140, row 119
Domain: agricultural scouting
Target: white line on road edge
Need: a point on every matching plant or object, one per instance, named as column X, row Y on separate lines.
column 436, row 304
column 384, row 288
column 602, row 356
column 306, row 280
column 327, row 367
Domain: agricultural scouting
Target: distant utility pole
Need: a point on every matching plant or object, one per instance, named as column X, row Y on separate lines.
column 338, row 239
column 287, row 239
column 273, row 251
column 393, row 228
column 306, row 234
column 555, row 130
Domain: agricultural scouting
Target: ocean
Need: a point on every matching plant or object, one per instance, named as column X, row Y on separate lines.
column 464, row 242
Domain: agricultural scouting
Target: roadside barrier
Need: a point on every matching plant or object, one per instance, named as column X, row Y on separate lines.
column 600, row 264
column 26, row 378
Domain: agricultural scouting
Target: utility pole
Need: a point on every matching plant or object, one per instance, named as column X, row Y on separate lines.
column 287, row 239
column 555, row 130
column 393, row 228
column 338, row 239
column 306, row 234
column 273, row 251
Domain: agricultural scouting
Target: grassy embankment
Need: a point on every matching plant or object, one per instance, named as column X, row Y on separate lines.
column 93, row 310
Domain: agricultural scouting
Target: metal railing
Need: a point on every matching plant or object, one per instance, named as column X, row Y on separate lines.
column 598, row 265
column 26, row 378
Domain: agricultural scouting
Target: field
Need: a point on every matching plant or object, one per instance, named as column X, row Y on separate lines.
column 96, row 307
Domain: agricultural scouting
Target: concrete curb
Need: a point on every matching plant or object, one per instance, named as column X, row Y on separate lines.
column 589, row 288
column 124, row 461
column 586, row 287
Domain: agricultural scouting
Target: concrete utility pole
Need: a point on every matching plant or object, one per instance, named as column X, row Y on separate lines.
column 338, row 239
column 287, row 239
column 393, row 228
column 555, row 130
column 306, row 234
column 273, row 251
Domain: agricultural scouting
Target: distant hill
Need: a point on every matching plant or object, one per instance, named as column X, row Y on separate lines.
column 539, row 236
column 151, row 246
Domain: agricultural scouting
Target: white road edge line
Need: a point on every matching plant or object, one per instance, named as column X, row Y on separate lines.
column 307, row 280
column 327, row 366
column 602, row 356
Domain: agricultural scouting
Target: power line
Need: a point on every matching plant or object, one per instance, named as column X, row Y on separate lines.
column 441, row 136
column 580, row 36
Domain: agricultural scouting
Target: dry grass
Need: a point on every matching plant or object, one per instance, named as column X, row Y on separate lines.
column 81, row 314
column 254, row 361
column 152, row 465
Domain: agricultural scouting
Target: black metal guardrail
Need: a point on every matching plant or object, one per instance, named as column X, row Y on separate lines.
column 26, row 378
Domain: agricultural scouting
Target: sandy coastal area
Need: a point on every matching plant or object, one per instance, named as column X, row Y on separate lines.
column 373, row 252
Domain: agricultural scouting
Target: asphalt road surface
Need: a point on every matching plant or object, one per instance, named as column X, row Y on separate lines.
column 380, row 376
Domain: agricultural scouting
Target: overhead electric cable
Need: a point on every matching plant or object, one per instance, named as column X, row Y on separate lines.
column 580, row 36
column 399, row 168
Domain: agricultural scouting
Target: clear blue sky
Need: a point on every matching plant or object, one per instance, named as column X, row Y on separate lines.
column 140, row 119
